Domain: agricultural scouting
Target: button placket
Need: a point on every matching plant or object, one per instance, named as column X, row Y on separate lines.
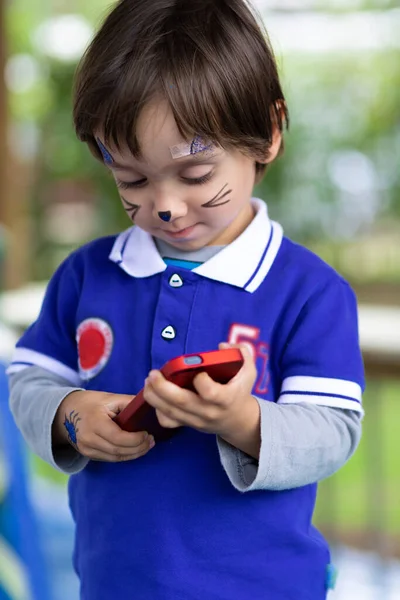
column 172, row 317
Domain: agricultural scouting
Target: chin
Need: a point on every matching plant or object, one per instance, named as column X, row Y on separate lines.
column 188, row 245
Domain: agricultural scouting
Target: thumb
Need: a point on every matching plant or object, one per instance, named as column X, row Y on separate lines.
column 243, row 347
column 224, row 346
column 248, row 368
column 117, row 403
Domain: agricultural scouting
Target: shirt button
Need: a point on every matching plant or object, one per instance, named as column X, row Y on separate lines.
column 168, row 333
column 175, row 281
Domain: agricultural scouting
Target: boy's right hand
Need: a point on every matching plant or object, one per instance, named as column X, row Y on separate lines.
column 85, row 420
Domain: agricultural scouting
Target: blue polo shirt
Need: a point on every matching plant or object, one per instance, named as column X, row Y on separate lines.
column 170, row 526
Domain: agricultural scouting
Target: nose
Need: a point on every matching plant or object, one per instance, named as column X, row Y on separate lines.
column 168, row 207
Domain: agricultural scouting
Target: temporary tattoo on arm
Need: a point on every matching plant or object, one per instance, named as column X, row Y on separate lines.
column 70, row 425
column 108, row 159
column 216, row 201
column 131, row 209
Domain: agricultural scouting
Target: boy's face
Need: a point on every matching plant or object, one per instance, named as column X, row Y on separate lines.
column 192, row 201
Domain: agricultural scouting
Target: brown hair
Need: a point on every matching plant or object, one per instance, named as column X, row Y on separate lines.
column 209, row 59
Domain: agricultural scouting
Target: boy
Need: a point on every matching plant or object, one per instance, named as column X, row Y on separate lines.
column 181, row 100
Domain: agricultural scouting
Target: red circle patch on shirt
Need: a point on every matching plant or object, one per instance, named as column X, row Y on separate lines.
column 95, row 341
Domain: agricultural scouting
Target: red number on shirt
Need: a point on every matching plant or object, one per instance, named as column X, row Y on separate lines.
column 250, row 337
column 262, row 383
column 243, row 334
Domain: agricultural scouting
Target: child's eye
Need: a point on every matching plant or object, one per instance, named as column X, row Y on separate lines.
column 198, row 180
column 127, row 185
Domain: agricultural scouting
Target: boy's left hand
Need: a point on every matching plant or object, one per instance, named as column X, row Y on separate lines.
column 215, row 408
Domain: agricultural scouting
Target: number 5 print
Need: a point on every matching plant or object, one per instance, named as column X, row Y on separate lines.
column 250, row 337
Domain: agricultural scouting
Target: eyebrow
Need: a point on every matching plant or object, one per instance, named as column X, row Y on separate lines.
column 199, row 157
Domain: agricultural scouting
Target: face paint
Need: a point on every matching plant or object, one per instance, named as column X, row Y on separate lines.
column 108, row 159
column 131, row 209
column 197, row 145
column 216, row 201
column 165, row 216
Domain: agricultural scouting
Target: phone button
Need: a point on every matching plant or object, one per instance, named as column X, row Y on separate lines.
column 168, row 333
column 175, row 281
column 193, row 360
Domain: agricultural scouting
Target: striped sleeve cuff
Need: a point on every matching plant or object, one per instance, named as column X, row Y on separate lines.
column 24, row 358
column 337, row 393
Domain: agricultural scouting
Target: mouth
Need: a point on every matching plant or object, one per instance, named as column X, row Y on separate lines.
column 182, row 233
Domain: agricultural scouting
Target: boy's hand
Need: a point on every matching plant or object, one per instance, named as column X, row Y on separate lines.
column 228, row 410
column 85, row 420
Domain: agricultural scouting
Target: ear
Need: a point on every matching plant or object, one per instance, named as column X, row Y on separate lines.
column 277, row 141
column 274, row 148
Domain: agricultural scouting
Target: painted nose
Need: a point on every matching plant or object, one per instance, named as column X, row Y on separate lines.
column 168, row 207
column 165, row 215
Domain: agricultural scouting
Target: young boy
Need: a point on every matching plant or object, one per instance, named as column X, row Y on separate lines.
column 181, row 100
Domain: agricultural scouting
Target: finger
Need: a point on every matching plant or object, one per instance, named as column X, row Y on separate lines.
column 167, row 422
column 174, row 412
column 248, row 367
column 112, row 433
column 118, row 402
column 244, row 348
column 248, row 357
column 163, row 394
column 112, row 458
column 167, row 414
column 206, row 387
column 102, row 448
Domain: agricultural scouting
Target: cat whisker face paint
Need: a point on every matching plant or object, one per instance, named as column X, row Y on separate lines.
column 218, row 200
column 130, row 208
column 107, row 157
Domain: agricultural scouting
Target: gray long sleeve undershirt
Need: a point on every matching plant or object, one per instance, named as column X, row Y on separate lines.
column 300, row 444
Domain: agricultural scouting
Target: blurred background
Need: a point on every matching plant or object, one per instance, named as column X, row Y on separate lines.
column 336, row 190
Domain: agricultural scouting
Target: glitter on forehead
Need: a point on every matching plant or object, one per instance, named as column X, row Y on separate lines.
column 108, row 159
column 197, row 145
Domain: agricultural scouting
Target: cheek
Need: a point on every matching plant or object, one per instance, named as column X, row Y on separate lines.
column 219, row 218
column 233, row 210
column 142, row 217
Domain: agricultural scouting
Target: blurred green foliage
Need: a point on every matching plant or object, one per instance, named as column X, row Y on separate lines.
column 345, row 498
column 337, row 103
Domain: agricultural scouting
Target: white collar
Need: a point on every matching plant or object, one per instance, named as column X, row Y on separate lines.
column 244, row 263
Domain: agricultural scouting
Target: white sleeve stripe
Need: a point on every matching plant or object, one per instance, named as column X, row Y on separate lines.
column 322, row 385
column 16, row 367
column 24, row 356
column 318, row 394
column 331, row 401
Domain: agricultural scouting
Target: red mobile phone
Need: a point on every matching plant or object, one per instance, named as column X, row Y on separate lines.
column 221, row 365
